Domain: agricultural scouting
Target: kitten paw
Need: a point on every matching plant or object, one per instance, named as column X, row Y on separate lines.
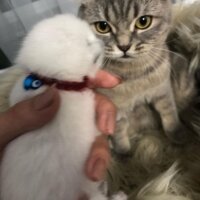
column 120, row 139
column 119, row 196
column 122, row 146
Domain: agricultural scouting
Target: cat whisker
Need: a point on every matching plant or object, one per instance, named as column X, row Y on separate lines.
column 169, row 51
column 106, row 62
column 169, row 41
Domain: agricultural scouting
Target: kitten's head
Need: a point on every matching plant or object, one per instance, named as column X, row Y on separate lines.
column 129, row 28
column 62, row 47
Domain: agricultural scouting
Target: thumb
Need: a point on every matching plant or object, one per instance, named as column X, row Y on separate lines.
column 28, row 115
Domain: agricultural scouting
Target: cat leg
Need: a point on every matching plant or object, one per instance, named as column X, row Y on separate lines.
column 166, row 107
column 121, row 140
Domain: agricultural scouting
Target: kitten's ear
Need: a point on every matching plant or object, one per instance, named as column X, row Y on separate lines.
column 83, row 5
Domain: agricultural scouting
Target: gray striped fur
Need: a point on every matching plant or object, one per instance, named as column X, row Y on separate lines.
column 147, row 70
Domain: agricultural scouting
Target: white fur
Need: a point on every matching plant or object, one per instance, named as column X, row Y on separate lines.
column 48, row 164
column 62, row 48
column 162, row 187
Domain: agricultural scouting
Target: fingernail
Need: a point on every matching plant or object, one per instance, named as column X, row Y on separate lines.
column 103, row 123
column 44, row 100
column 118, row 78
column 99, row 170
column 107, row 123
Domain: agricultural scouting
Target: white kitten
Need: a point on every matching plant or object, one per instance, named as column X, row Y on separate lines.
column 47, row 164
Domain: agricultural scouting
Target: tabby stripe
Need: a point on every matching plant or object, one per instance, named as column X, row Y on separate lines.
column 115, row 12
column 136, row 9
column 125, row 7
column 127, row 10
column 139, row 46
column 158, row 63
column 121, row 8
column 106, row 13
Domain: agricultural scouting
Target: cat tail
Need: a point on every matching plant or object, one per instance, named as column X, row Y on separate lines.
column 184, row 41
column 162, row 187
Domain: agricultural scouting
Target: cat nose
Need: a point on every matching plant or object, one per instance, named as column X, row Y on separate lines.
column 124, row 48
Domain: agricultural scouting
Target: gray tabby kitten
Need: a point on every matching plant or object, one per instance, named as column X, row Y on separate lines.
column 134, row 33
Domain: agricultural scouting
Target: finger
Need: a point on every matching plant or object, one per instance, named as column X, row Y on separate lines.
column 105, row 80
column 105, row 114
column 98, row 161
column 28, row 115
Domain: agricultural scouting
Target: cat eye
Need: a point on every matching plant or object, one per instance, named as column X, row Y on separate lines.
column 102, row 27
column 144, row 22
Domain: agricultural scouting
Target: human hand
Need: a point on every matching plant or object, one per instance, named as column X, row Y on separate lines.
column 99, row 157
column 34, row 113
column 28, row 115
